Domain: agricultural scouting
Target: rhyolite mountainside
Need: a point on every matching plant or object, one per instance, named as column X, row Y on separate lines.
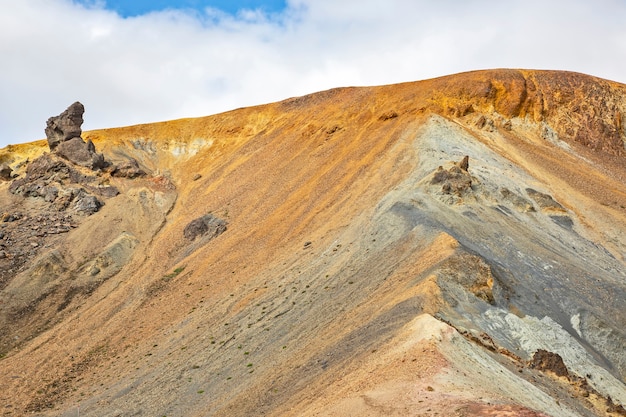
column 453, row 246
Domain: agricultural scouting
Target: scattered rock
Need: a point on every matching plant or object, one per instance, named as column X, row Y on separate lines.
column 485, row 123
column 520, row 203
column 128, row 169
column 10, row 217
column 86, row 203
column 333, row 129
column 544, row 201
column 549, row 361
column 196, row 177
column 65, row 126
column 207, row 225
column 5, row 172
column 388, row 115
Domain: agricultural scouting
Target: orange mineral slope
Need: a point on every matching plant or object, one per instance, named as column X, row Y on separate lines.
column 363, row 269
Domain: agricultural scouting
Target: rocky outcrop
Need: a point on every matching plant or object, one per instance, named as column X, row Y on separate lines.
column 544, row 201
column 579, row 108
column 63, row 135
column 65, row 126
column 5, row 172
column 58, row 183
column 549, row 361
column 207, row 225
column 128, row 169
column 455, row 180
column 81, row 153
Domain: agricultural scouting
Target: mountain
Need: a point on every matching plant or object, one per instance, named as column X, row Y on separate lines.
column 453, row 246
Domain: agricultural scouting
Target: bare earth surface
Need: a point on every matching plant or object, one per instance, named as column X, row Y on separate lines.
column 328, row 255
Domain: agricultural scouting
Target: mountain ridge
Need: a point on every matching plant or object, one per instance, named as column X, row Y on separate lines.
column 344, row 238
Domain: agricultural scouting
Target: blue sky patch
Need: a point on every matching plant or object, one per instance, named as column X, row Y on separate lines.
column 131, row 8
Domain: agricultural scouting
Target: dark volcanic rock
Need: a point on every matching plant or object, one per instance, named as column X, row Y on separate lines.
column 5, row 172
column 82, row 153
column 207, row 225
column 51, row 178
column 42, row 173
column 86, row 203
column 63, row 134
column 128, row 169
column 549, row 361
column 65, row 126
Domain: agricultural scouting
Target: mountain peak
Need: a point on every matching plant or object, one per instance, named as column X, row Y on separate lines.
column 453, row 245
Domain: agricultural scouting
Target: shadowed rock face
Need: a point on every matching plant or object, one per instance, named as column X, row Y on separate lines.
column 5, row 172
column 453, row 246
column 81, row 153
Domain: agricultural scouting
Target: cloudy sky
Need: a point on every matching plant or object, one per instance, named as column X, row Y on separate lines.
column 141, row 61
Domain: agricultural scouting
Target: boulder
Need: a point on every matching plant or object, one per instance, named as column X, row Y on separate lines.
column 86, row 203
column 82, row 153
column 5, row 172
column 128, row 169
column 207, row 225
column 65, row 126
column 549, row 361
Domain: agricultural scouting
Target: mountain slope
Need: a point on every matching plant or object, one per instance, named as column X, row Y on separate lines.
column 366, row 267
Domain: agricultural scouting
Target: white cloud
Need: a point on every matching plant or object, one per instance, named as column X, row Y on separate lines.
column 177, row 64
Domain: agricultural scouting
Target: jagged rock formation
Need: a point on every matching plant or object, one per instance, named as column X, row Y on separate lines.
column 66, row 126
column 63, row 135
column 455, row 180
column 60, row 184
column 453, row 246
column 50, row 197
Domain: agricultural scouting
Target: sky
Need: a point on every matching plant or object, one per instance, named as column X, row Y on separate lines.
column 132, row 62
